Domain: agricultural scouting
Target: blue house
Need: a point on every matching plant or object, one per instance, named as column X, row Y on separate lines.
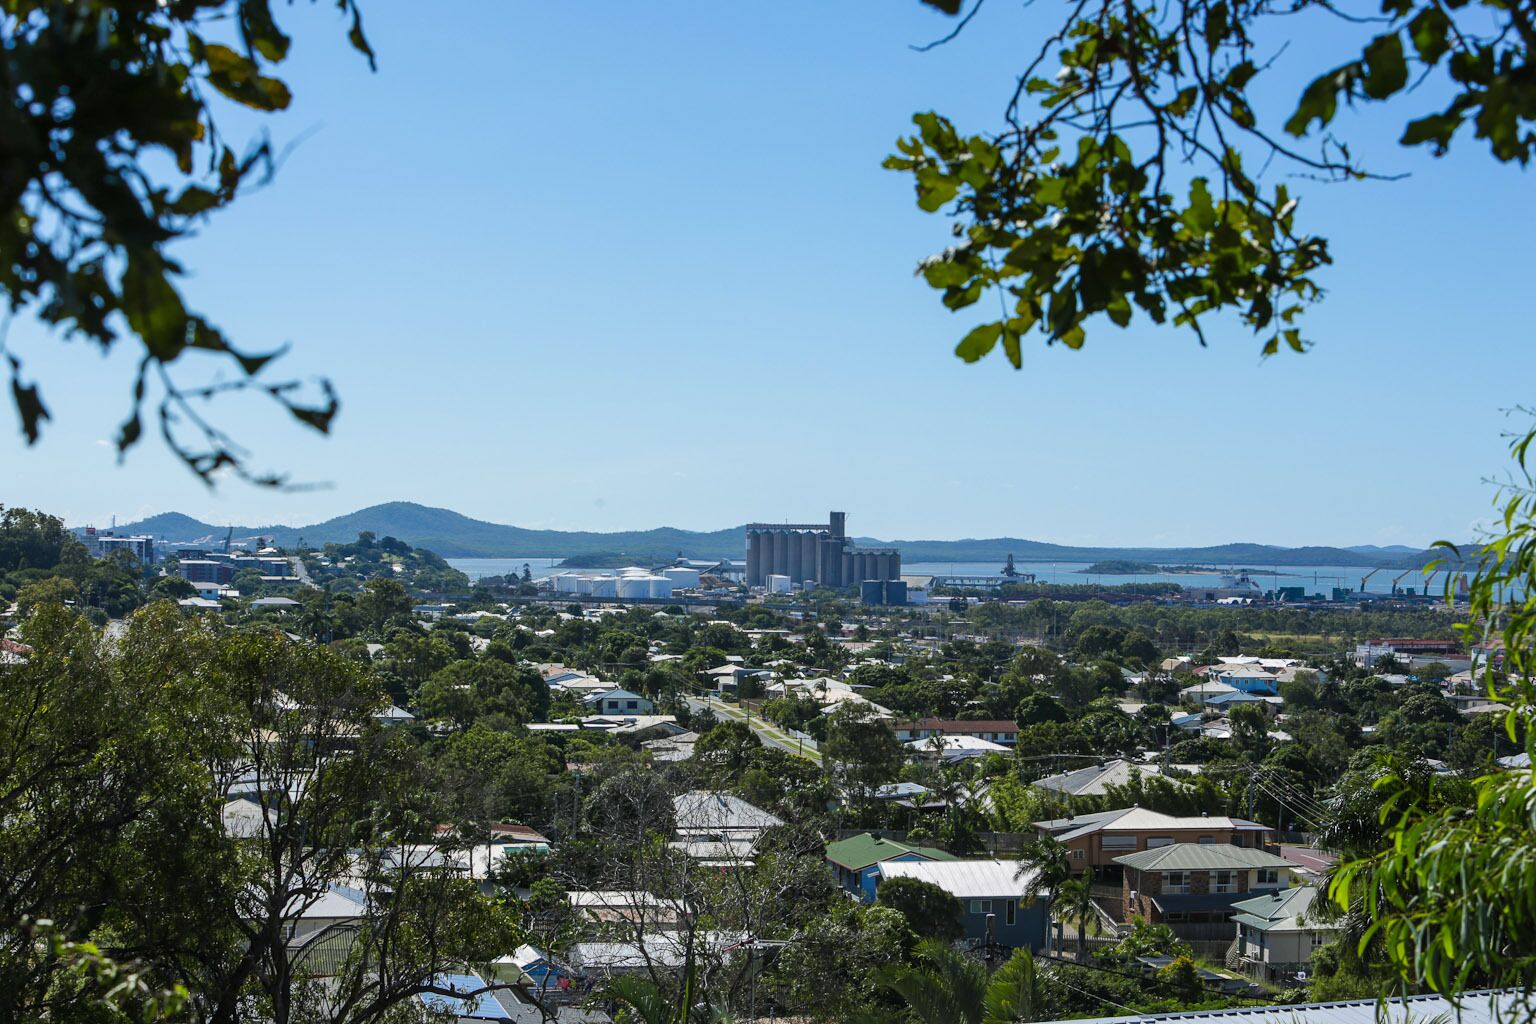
column 1231, row 699
column 993, row 906
column 856, row 861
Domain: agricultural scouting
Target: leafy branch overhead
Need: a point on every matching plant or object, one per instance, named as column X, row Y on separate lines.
column 1122, row 180
column 100, row 92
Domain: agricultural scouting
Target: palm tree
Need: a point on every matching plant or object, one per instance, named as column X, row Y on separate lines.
column 1048, row 859
column 950, row 988
column 1014, row 993
column 1074, row 900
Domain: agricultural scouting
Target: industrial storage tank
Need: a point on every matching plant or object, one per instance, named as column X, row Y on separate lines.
column 778, row 584
column 604, row 586
column 895, row 591
column 634, row 570
column 661, row 586
column 565, row 583
column 872, row 592
column 583, row 584
column 632, row 587
column 682, row 577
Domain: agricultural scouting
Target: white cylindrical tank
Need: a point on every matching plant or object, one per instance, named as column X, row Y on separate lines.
column 634, row 570
column 633, row 586
column 778, row 584
column 605, row 586
column 565, row 583
column 661, row 586
column 682, row 577
column 583, row 584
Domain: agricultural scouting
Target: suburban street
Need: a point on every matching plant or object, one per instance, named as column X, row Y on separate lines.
column 770, row 734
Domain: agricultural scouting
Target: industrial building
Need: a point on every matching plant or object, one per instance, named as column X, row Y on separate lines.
column 819, row 553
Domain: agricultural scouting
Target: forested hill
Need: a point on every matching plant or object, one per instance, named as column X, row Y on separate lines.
column 457, row 536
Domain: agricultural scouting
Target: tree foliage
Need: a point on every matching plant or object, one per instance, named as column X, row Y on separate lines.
column 1138, row 175
column 114, row 152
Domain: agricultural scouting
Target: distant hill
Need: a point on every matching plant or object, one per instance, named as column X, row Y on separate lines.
column 457, row 536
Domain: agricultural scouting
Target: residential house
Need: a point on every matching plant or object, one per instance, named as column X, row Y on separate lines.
column 619, row 702
column 994, row 909
column 1192, row 887
column 627, row 907
column 998, row 731
column 1095, row 780
column 1276, row 932
column 939, row 747
column 1248, row 678
column 856, row 861
column 1484, row 1007
column 705, row 815
column 1096, row 840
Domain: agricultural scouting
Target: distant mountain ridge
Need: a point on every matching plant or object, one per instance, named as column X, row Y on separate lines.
column 453, row 535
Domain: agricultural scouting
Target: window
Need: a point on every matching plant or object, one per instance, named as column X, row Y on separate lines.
column 1077, row 854
column 1175, row 881
column 981, row 906
column 1153, row 842
column 631, row 705
column 1207, row 841
column 1119, row 842
column 1268, row 876
column 1012, row 908
column 1224, row 881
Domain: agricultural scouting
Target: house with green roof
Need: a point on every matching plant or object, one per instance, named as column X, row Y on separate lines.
column 856, row 861
column 1277, row 932
column 1193, row 886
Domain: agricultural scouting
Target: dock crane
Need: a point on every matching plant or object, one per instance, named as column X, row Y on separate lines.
column 1399, row 576
column 1367, row 576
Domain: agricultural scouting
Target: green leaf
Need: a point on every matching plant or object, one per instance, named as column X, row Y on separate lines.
column 1436, row 128
column 1320, row 101
column 194, row 200
column 1386, row 71
column 29, row 404
column 979, row 342
column 154, row 310
column 262, row 31
column 1430, row 30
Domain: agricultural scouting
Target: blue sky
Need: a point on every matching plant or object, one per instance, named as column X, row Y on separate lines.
column 601, row 265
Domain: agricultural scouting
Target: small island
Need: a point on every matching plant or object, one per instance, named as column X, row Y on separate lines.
column 1121, row 567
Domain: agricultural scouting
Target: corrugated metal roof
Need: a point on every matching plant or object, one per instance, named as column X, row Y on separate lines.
column 858, row 852
column 1202, row 857
column 966, row 879
column 1482, row 1007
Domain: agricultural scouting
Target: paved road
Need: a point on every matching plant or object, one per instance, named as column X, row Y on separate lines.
column 770, row 734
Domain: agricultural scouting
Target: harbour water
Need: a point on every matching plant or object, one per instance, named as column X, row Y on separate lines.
column 1315, row 579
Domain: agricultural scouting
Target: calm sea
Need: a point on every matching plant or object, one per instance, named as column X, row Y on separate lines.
column 1316, row 579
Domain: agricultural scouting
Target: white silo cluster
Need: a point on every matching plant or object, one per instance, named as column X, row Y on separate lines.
column 628, row 583
column 682, row 577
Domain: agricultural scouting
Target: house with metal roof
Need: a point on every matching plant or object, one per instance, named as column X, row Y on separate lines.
column 993, row 907
column 619, row 702
column 706, row 815
column 1480, row 1007
column 1277, row 932
column 856, row 861
column 1192, row 887
column 1096, row 840
column 1095, row 780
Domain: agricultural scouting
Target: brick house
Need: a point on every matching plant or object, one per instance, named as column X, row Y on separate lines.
column 1097, row 840
column 1190, row 885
